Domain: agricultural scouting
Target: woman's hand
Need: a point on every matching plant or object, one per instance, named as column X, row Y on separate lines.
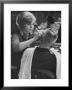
column 36, row 35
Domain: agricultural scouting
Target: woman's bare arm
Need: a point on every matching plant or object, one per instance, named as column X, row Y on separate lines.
column 19, row 46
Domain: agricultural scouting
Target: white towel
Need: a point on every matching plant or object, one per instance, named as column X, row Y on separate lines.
column 58, row 67
column 26, row 62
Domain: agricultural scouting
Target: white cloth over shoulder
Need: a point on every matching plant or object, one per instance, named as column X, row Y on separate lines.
column 26, row 62
column 58, row 67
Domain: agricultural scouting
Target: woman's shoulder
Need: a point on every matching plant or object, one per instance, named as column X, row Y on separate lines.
column 19, row 37
column 14, row 37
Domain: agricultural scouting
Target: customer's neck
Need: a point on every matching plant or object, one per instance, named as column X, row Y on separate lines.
column 45, row 46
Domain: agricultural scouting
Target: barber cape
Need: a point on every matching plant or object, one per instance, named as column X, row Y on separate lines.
column 26, row 63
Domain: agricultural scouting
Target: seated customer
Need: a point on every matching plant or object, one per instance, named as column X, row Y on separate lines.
column 46, row 58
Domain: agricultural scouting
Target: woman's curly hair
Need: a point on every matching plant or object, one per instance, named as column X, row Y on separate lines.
column 24, row 18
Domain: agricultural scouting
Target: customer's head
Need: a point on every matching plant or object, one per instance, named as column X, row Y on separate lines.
column 25, row 21
column 48, row 39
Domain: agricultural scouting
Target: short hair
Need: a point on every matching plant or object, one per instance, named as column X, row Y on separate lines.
column 24, row 18
column 48, row 38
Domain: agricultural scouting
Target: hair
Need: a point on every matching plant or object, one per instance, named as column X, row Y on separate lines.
column 24, row 18
column 48, row 38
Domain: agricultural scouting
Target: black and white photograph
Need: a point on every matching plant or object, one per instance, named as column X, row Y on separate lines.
column 36, row 44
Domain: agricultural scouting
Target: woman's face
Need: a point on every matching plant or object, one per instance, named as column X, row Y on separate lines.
column 30, row 27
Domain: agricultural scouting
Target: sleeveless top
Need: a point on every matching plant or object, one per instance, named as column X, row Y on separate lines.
column 16, row 56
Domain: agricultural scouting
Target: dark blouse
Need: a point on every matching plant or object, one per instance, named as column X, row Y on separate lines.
column 16, row 55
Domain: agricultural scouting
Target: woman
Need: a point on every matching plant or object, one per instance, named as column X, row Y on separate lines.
column 25, row 22
column 25, row 37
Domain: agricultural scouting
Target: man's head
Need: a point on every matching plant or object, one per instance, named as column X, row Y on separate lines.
column 48, row 39
column 26, row 21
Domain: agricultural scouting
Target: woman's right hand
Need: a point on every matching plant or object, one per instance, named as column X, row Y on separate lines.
column 36, row 35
